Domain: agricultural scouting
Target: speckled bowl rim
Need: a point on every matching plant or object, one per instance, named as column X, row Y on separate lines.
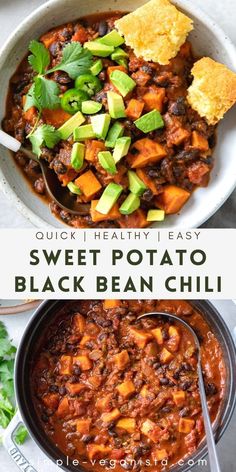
column 5, row 50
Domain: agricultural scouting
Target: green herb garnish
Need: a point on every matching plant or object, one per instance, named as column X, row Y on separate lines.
column 7, row 407
column 44, row 135
column 44, row 93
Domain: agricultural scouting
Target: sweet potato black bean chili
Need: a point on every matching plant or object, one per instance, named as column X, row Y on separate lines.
column 106, row 386
column 128, row 142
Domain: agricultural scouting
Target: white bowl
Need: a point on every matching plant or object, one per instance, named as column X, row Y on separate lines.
column 207, row 39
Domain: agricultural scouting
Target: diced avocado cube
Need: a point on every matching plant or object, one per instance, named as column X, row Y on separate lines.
column 116, row 105
column 122, row 82
column 98, row 49
column 100, row 124
column 155, row 215
column 89, row 107
column 136, row 185
column 131, row 203
column 122, row 62
column 97, row 67
column 107, row 162
column 84, row 132
column 112, row 39
column 115, row 132
column 68, row 127
column 109, row 198
column 74, row 188
column 119, row 54
column 150, row 121
column 77, row 155
column 121, row 148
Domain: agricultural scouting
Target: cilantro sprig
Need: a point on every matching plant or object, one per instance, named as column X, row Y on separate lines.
column 7, row 406
column 45, row 135
column 44, row 93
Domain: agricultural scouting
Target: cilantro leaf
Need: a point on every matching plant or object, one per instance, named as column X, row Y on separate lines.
column 75, row 60
column 6, row 370
column 5, row 404
column 21, row 434
column 3, row 331
column 4, row 419
column 40, row 59
column 46, row 93
column 31, row 100
column 44, row 134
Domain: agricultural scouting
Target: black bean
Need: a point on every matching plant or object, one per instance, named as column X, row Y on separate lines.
column 186, row 366
column 147, row 195
column 176, row 374
column 62, row 78
column 138, row 452
column 178, row 108
column 166, row 409
column 102, row 28
column 164, row 381
column 62, row 390
column 87, row 438
column 165, row 334
column 20, row 86
column 102, row 76
column 184, row 412
column 210, row 389
column 53, row 388
column 54, row 49
column 153, row 173
column 187, row 155
column 44, row 418
column 186, row 385
column 39, row 185
column 147, row 69
column 77, row 370
column 157, row 365
column 59, row 167
column 126, row 465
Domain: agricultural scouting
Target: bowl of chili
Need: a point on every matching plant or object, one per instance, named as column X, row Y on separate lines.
column 93, row 383
column 134, row 196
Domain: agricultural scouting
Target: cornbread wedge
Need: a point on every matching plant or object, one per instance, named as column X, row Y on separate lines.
column 155, row 31
column 213, row 90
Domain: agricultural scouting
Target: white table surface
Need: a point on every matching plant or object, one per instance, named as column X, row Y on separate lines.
column 13, row 11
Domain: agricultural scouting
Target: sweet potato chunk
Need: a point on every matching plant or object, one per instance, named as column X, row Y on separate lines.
column 79, row 322
column 178, row 136
column 199, row 142
column 173, row 342
column 107, row 304
column 63, row 408
column 137, row 219
column 121, row 359
column 111, row 416
column 113, row 214
column 67, row 177
column 88, row 184
column 75, row 388
column 159, row 455
column 151, row 430
column 65, row 365
column 56, row 117
column 149, row 152
column 83, row 361
column 154, row 99
column 51, row 400
column 104, row 403
column 165, row 356
column 93, row 147
column 157, row 333
column 134, row 109
column 144, row 392
column 140, row 337
column 186, row 425
column 85, row 339
column 172, row 199
column 129, row 424
column 126, row 388
column 179, row 398
column 147, row 180
column 98, row 451
column 83, row 426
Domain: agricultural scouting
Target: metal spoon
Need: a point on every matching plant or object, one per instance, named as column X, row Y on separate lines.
column 59, row 194
column 213, row 458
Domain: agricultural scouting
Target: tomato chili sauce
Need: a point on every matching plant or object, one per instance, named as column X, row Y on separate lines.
column 108, row 387
column 186, row 140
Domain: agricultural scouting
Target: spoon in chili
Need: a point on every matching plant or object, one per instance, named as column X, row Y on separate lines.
column 58, row 194
column 213, row 457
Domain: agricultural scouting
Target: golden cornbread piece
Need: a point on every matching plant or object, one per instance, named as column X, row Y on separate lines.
column 155, row 31
column 213, row 90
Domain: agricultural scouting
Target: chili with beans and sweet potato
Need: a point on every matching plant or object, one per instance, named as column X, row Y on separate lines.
column 138, row 150
column 107, row 386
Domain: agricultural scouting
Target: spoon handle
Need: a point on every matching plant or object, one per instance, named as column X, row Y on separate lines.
column 212, row 453
column 9, row 142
